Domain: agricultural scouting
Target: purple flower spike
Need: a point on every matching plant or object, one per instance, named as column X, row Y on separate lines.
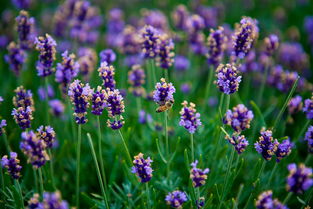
column 149, row 37
column 34, row 202
column 87, row 61
column 295, row 105
column 180, row 16
column 107, row 72
column 216, row 46
column 239, row 118
column 129, row 43
column 23, row 98
column 80, row 96
column 21, row 4
column 244, row 37
column 308, row 108
column 181, row 63
column 176, row 199
column 3, row 123
column 164, row 50
column 227, row 78
column 163, row 92
column 271, row 44
column 265, row 201
column 142, row 168
column 47, row 134
column 283, row 149
column 267, row 145
column 239, row 142
column 54, row 201
column 23, row 117
column 189, row 118
column 197, row 175
column 309, row 138
column 46, row 46
column 34, row 148
column 57, row 107
column 299, row 178
column 98, row 101
column 15, row 58
column 115, row 106
column 25, row 29
column 108, row 56
column 144, row 117
column 12, row 165
column 136, row 78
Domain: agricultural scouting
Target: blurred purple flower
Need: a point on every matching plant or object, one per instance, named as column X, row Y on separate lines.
column 197, row 175
column 12, row 165
column 309, row 138
column 15, row 58
column 299, row 178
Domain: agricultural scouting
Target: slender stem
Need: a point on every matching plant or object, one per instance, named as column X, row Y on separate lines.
column 6, row 144
column 303, row 129
column 285, row 104
column 148, row 195
column 166, row 74
column 2, row 178
column 192, row 148
column 308, row 158
column 272, row 174
column 70, row 115
column 152, row 64
column 227, row 102
column 40, row 181
column 20, row 193
column 51, row 168
column 166, row 133
column 36, row 180
column 259, row 99
column 261, row 170
column 100, row 154
column 125, row 147
column 238, row 196
column 78, row 164
column 208, row 87
column 47, row 99
column 98, row 171
column 287, row 198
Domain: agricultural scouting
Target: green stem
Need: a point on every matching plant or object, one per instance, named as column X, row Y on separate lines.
column 100, row 154
column 6, row 144
column 98, row 171
column 51, row 168
column 261, row 170
column 36, row 180
column 2, row 178
column 126, row 148
column 20, row 193
column 285, row 104
column 78, row 165
column 40, row 181
column 47, row 100
column 148, row 195
column 166, row 134
column 192, row 148
column 238, row 196
column 303, row 129
column 259, row 99
column 287, row 198
column 272, row 174
column 227, row 102
column 208, row 87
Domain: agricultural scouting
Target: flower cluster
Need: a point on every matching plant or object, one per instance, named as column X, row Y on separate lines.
column 181, row 63
column 25, row 29
column 47, row 134
column 265, row 201
column 46, row 46
column 189, row 118
column 299, row 178
column 3, row 123
column 308, row 108
column 98, row 101
column 239, row 118
column 295, row 104
column 15, row 58
column 51, row 200
column 309, row 138
column 12, row 165
column 34, row 148
column 115, row 25
column 45, row 92
column 238, row 141
column 115, row 106
column 67, row 70
column 163, row 92
column 271, row 44
column 106, row 72
column 24, row 107
column 87, row 61
column 176, row 199
column 244, row 37
column 283, row 149
column 227, row 78
column 155, row 18
column 21, row 4
column 142, row 168
column 144, row 117
column 216, row 43
column 57, row 107
column 136, row 78
column 293, row 56
column 267, row 145
column 164, row 50
column 129, row 43
column 197, row 175
column 34, row 202
column 107, row 56
column 180, row 16
column 149, row 37
column 80, row 95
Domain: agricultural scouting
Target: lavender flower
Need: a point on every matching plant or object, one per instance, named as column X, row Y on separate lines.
column 47, row 134
column 136, row 78
column 295, row 105
column 180, row 16
column 53, row 201
column 181, row 63
column 309, row 138
column 115, row 107
column 239, row 118
column 197, row 42
column 271, row 44
column 34, row 148
column 23, row 116
column 87, row 61
column 67, row 70
column 149, row 36
column 129, row 43
column 197, row 175
column 57, row 107
column 15, row 58
column 142, row 168
column 227, row 78
column 176, row 199
column 265, row 201
column 216, row 43
column 156, row 19
column 209, row 15
column 185, row 88
column 115, row 26
column 299, row 178
column 3, row 123
column 267, row 145
column 163, row 92
column 23, row 98
column 12, row 165
column 293, row 56
column 283, row 149
column 144, row 117
column 244, row 37
column 46, row 46
column 34, row 202
column 45, row 92
column 21, row 4
column 287, row 81
column 189, row 118
column 25, row 29
column 195, row 23
column 238, row 141
column 80, row 95
column 98, row 101
column 308, row 108
column 107, row 56
column 164, row 50
column 106, row 72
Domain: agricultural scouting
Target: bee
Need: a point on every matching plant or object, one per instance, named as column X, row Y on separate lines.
column 168, row 105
